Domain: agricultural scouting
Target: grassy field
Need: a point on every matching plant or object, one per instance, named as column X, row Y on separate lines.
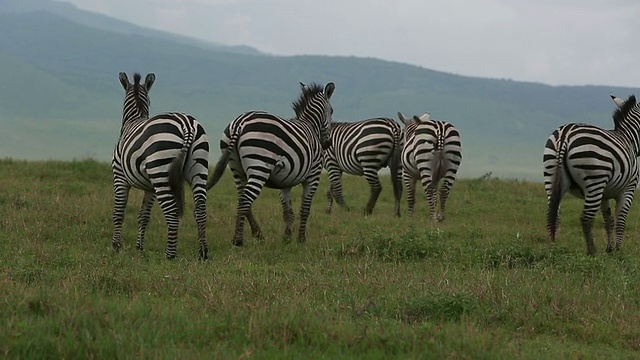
column 483, row 284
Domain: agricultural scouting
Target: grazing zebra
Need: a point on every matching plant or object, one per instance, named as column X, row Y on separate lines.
column 363, row 148
column 266, row 150
column 157, row 155
column 432, row 152
column 597, row 165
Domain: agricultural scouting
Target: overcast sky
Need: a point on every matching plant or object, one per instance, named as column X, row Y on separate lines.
column 558, row 42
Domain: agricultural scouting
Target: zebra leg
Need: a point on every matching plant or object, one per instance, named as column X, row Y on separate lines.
column 622, row 209
column 287, row 212
column 143, row 217
column 250, row 192
column 410, row 186
column 170, row 211
column 371, row 175
column 430, row 192
column 256, row 232
column 447, row 183
column 309, row 188
column 592, row 202
column 609, row 223
column 121, row 195
column 329, row 200
column 200, row 214
column 335, row 181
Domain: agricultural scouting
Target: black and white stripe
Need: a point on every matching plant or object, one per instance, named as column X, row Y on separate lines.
column 362, row 148
column 432, row 152
column 266, row 150
column 597, row 165
column 158, row 155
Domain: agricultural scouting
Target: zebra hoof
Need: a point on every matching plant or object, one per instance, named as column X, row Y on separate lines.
column 237, row 242
column 170, row 257
column 140, row 247
column 116, row 247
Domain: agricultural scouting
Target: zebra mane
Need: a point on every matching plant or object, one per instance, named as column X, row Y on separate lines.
column 140, row 104
column 308, row 93
column 620, row 114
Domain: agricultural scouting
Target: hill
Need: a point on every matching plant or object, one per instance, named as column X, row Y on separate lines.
column 60, row 97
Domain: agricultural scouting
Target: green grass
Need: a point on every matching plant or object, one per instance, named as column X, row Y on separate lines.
column 483, row 284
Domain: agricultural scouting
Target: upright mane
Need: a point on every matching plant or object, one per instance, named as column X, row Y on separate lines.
column 308, row 93
column 620, row 114
column 140, row 104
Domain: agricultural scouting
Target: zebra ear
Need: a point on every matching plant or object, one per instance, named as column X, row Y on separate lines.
column 616, row 100
column 402, row 118
column 149, row 80
column 124, row 80
column 328, row 89
column 302, row 85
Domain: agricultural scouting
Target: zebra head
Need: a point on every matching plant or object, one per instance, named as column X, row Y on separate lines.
column 314, row 106
column 136, row 97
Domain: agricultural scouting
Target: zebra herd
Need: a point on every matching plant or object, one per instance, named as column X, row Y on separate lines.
column 159, row 154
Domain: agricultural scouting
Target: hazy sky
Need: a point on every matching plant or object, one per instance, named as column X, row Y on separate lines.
column 568, row 42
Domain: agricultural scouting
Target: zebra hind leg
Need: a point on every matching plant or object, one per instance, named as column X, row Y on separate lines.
column 170, row 211
column 376, row 188
column 121, row 195
column 609, row 223
column 591, row 205
column 329, row 200
column 444, row 195
column 200, row 214
column 309, row 188
column 287, row 213
column 143, row 217
column 410, row 186
column 248, row 194
column 622, row 209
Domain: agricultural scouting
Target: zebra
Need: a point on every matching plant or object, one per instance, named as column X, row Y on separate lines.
column 596, row 165
column 263, row 149
column 157, row 155
column 432, row 151
column 616, row 100
column 363, row 148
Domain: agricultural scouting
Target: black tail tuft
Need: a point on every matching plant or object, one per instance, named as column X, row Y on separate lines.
column 555, row 198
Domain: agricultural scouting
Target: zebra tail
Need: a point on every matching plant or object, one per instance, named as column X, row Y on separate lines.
column 395, row 167
column 556, row 194
column 176, row 173
column 221, row 166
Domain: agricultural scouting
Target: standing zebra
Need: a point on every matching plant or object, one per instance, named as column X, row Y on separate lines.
column 432, row 152
column 157, row 155
column 363, row 148
column 597, row 165
column 266, row 150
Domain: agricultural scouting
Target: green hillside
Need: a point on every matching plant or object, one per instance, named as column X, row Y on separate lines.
column 60, row 97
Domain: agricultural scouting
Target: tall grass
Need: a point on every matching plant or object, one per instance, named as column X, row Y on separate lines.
column 483, row 284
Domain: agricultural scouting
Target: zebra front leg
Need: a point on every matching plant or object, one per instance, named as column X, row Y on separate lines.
column 121, row 195
column 309, row 188
column 410, row 187
column 143, row 217
column 287, row 213
column 371, row 175
column 609, row 223
column 591, row 205
column 200, row 214
column 622, row 209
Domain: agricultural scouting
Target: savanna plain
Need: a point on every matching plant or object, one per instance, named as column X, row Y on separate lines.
column 486, row 283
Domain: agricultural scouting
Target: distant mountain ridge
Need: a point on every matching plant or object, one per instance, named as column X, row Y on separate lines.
column 60, row 97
